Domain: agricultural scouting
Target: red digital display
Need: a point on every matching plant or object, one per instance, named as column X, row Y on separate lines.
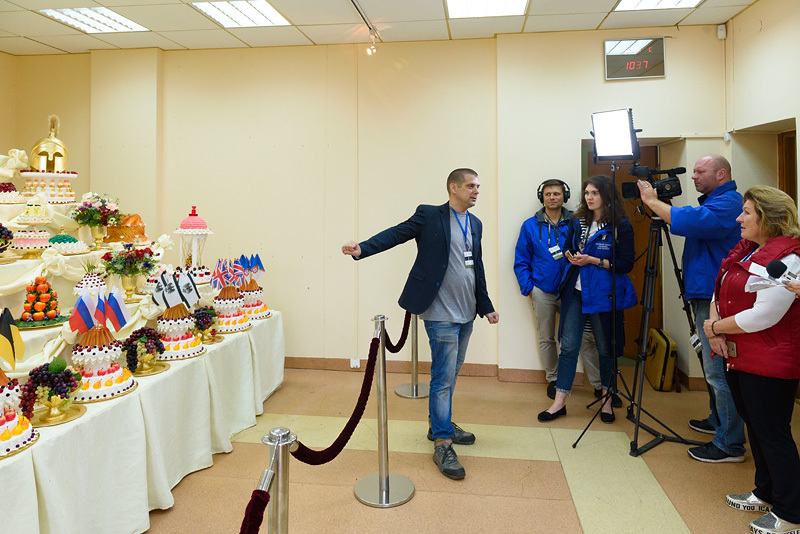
column 635, row 58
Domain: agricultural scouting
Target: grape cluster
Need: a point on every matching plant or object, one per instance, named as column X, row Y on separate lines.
column 6, row 236
column 143, row 341
column 47, row 381
column 204, row 318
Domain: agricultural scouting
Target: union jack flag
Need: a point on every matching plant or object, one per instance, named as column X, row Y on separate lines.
column 218, row 278
column 238, row 272
column 228, row 272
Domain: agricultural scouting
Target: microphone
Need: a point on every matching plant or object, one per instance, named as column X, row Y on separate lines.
column 777, row 269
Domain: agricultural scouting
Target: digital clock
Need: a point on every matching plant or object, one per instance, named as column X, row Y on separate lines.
column 634, row 58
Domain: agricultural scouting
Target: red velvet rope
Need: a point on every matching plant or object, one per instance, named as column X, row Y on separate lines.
column 396, row 348
column 254, row 514
column 312, row 457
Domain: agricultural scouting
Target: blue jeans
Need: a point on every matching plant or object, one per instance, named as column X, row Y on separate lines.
column 571, row 338
column 729, row 434
column 448, row 349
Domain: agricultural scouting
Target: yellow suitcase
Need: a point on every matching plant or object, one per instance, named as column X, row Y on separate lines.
column 662, row 352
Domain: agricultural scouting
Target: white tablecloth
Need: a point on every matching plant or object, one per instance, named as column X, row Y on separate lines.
column 105, row 471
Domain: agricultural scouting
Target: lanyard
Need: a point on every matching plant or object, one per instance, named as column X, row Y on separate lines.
column 463, row 228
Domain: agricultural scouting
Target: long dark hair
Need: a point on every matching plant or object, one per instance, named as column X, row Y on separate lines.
column 608, row 194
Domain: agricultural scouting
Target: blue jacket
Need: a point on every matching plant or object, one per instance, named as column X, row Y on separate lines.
column 533, row 263
column 596, row 281
column 430, row 227
column 711, row 231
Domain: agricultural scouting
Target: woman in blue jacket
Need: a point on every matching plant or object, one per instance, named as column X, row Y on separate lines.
column 585, row 291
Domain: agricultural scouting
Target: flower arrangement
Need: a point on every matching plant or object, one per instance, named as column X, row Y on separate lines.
column 96, row 210
column 129, row 261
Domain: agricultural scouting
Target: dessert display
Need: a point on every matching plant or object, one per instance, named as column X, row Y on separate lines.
column 193, row 231
column 253, row 307
column 142, row 350
column 175, row 328
column 6, row 237
column 201, row 274
column 31, row 240
column 228, row 305
column 90, row 283
column 130, row 230
column 66, row 244
column 57, row 191
column 16, row 431
column 51, row 385
column 9, row 194
column 34, row 214
column 102, row 378
column 150, row 284
column 41, row 304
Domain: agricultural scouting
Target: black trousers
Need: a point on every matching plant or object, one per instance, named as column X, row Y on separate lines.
column 766, row 404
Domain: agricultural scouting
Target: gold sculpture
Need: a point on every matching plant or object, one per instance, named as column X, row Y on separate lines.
column 50, row 154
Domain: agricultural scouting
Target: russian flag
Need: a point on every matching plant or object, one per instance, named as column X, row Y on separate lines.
column 82, row 317
column 116, row 310
column 100, row 311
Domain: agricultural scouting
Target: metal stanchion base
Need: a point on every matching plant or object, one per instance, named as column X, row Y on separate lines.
column 400, row 491
column 407, row 391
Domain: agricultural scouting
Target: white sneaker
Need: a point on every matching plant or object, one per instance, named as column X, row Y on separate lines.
column 772, row 524
column 747, row 502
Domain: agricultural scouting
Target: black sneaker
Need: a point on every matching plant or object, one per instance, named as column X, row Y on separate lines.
column 713, row 454
column 616, row 402
column 447, row 460
column 551, row 390
column 461, row 437
column 702, row 425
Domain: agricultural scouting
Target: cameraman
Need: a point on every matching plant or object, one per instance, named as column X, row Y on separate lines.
column 711, row 231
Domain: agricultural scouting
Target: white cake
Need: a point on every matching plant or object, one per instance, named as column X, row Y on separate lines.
column 66, row 244
column 15, row 430
column 253, row 307
column 179, row 342
column 102, row 377
column 31, row 240
column 228, row 305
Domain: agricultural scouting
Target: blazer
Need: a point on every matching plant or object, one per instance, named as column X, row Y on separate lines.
column 430, row 227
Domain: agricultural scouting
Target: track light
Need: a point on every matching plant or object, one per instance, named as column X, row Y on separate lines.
column 372, row 49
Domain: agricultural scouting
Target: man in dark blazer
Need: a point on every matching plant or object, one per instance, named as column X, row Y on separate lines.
column 446, row 288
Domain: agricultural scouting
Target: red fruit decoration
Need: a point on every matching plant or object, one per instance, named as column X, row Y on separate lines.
column 41, row 301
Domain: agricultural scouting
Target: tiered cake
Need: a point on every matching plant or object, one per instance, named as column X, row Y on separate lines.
column 228, row 305
column 175, row 329
column 102, row 377
column 66, row 244
column 16, row 432
column 253, row 307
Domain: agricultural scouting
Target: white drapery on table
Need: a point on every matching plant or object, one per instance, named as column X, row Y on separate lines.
column 105, row 471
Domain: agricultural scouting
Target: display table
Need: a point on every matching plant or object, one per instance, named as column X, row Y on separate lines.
column 105, row 471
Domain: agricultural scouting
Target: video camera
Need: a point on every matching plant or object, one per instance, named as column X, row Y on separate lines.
column 665, row 188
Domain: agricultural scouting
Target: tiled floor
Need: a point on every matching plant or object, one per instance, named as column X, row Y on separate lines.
column 522, row 476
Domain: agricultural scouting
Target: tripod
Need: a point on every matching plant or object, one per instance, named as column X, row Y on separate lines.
column 657, row 226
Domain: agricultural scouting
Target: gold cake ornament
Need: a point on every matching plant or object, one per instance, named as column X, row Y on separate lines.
column 50, row 154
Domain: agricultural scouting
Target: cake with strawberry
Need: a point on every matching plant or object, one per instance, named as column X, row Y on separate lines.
column 9, row 194
column 16, row 432
column 41, row 303
column 253, row 307
column 175, row 328
column 228, row 305
column 95, row 358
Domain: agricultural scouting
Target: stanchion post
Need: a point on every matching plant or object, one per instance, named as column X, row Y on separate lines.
column 383, row 490
column 281, row 442
column 414, row 390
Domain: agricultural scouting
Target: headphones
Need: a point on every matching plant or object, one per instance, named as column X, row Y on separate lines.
column 548, row 183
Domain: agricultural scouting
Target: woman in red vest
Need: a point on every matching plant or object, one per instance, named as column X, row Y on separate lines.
column 758, row 331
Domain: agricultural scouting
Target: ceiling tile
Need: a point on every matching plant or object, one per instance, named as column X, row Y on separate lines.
column 32, row 24
column 560, row 23
column 307, row 12
column 20, row 46
column 139, row 40
column 170, row 17
column 111, row 4
column 8, row 6
column 484, row 27
column 200, row 39
column 405, row 11
column 644, row 19
column 423, row 30
column 35, row 5
column 568, row 7
column 271, row 36
column 726, row 3
column 337, row 33
column 6, row 34
column 712, row 15
column 75, row 44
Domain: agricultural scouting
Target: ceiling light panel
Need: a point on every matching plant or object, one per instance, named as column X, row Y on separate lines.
column 640, row 5
column 242, row 14
column 464, row 9
column 94, row 20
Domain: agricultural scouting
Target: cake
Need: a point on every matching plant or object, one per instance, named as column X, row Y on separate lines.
column 66, row 244
column 34, row 214
column 90, row 283
column 16, row 431
column 31, row 240
column 179, row 342
column 193, row 232
column 102, row 377
column 6, row 237
column 253, row 307
column 150, row 284
column 9, row 193
column 228, row 305
column 53, row 187
column 41, row 302
column 201, row 274
column 130, row 230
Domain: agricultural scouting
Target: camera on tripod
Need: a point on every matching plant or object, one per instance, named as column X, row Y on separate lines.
column 665, row 188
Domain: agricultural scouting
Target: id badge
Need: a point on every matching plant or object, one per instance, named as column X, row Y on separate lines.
column 556, row 252
column 468, row 259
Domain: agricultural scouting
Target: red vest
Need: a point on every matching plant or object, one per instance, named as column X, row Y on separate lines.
column 772, row 352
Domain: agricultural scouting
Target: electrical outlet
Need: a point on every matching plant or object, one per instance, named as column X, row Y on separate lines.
column 355, row 363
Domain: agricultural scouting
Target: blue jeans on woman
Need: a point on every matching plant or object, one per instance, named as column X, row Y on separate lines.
column 574, row 321
column 448, row 349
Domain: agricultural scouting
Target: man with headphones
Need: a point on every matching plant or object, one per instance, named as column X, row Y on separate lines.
column 539, row 265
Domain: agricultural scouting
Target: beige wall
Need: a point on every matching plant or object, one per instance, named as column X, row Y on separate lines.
column 7, row 102
column 292, row 151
